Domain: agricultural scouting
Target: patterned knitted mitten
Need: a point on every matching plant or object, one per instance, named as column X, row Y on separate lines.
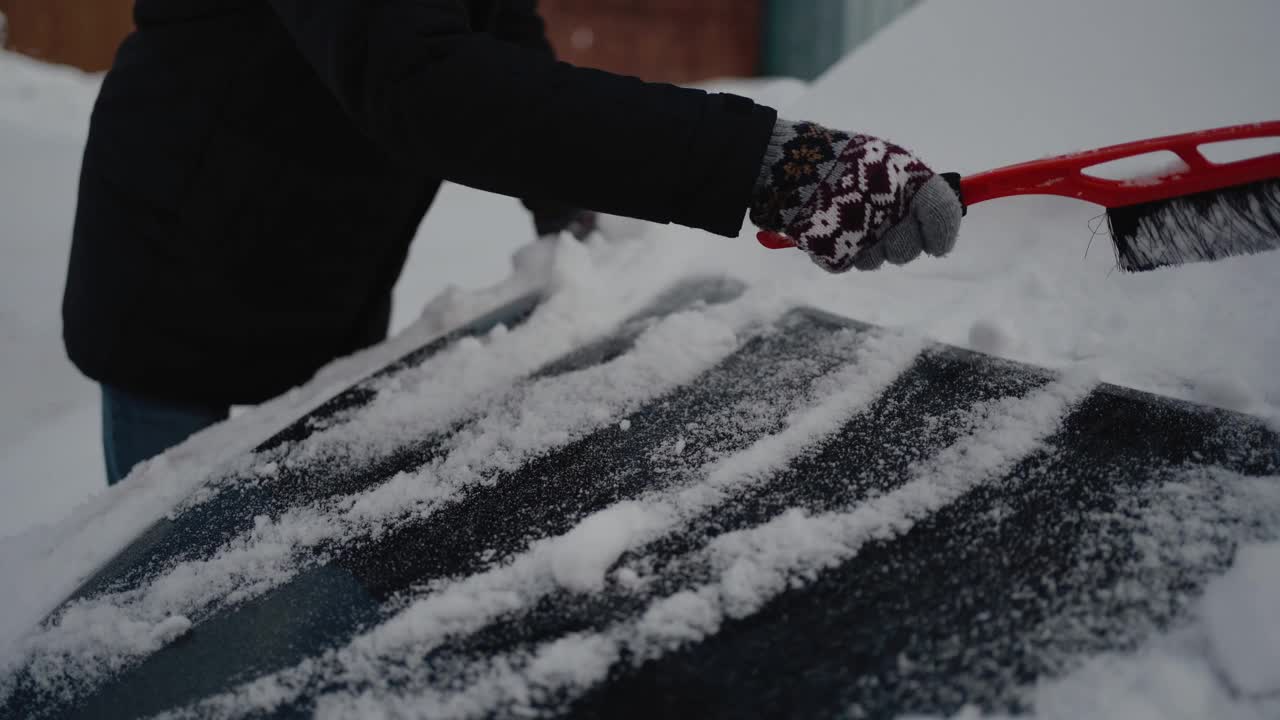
column 852, row 201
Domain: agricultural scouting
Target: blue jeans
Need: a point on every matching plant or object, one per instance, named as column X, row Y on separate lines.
column 135, row 428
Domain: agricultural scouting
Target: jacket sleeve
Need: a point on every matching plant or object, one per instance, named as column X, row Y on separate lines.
column 519, row 23
column 473, row 109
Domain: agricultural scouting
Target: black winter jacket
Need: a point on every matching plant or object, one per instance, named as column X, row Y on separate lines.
column 256, row 169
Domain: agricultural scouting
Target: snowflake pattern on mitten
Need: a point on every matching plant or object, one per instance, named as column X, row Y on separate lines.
column 835, row 194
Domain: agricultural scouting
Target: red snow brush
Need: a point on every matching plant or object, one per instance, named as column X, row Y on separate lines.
column 1196, row 210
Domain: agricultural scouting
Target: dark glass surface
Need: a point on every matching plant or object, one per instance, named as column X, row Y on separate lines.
column 948, row 613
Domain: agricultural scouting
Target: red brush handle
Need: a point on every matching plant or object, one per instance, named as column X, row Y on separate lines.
column 1064, row 175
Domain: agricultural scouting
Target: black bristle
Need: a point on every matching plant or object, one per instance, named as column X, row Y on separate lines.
column 1239, row 220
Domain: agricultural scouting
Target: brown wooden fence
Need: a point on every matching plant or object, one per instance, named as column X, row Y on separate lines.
column 668, row 40
column 84, row 33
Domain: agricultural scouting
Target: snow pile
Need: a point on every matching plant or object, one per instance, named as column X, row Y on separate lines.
column 582, row 555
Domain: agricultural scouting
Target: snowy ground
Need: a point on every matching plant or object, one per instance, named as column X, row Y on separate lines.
column 48, row 461
column 993, row 87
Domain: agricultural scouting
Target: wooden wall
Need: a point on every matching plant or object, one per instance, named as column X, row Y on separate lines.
column 667, row 40
column 84, row 33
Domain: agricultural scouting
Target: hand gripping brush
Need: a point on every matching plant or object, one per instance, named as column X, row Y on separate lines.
column 1200, row 210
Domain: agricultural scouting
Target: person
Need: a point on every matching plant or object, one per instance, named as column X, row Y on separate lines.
column 256, row 169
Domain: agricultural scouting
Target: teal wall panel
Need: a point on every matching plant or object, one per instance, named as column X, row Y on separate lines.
column 802, row 38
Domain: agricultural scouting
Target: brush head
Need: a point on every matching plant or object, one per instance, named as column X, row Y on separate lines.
column 1239, row 220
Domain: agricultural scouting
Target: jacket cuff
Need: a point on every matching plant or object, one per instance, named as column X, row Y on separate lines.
column 729, row 147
